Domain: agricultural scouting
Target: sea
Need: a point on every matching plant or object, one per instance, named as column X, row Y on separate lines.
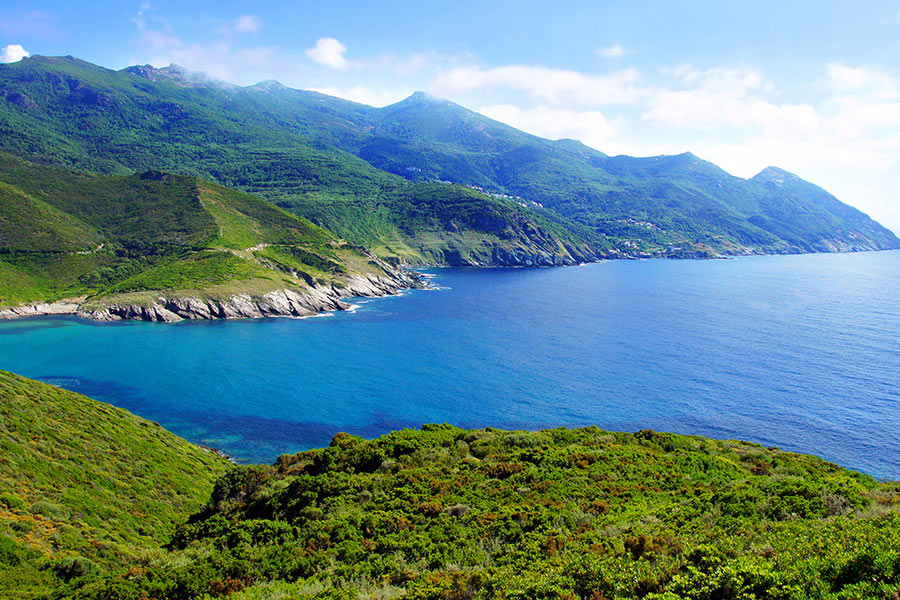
column 799, row 352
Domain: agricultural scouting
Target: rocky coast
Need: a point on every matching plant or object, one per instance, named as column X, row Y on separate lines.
column 175, row 306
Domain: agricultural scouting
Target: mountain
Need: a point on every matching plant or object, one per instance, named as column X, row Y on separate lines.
column 159, row 246
column 85, row 486
column 444, row 512
column 361, row 172
column 84, row 117
column 648, row 202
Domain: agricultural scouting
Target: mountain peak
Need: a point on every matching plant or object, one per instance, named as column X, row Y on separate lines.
column 172, row 73
column 423, row 98
column 269, row 85
column 775, row 175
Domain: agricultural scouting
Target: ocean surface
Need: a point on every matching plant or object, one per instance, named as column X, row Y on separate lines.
column 802, row 352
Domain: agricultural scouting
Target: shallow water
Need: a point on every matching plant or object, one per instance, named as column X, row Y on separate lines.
column 796, row 351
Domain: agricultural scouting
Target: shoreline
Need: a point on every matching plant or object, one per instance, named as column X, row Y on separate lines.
column 172, row 308
column 315, row 300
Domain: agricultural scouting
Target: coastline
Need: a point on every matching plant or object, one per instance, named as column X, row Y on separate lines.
column 172, row 307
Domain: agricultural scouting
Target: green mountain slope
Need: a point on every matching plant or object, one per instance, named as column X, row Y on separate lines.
column 651, row 202
column 84, row 485
column 160, row 246
column 92, row 119
column 449, row 513
column 350, row 167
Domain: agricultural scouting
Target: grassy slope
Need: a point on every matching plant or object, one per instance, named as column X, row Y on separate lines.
column 64, row 234
column 84, row 484
column 92, row 119
column 449, row 513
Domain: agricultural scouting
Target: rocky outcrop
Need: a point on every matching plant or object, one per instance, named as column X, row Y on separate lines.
column 165, row 307
column 279, row 303
column 502, row 256
column 62, row 307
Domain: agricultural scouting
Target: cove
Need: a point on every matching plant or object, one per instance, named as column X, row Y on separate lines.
column 795, row 351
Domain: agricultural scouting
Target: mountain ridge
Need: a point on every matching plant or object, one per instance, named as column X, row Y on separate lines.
column 348, row 167
column 158, row 246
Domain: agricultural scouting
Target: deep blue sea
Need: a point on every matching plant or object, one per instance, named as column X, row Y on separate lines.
column 802, row 352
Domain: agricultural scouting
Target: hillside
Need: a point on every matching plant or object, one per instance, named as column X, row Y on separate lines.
column 84, row 117
column 83, row 485
column 448, row 513
column 351, row 168
column 651, row 202
column 160, row 246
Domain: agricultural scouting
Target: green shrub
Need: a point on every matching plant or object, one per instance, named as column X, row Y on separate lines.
column 75, row 566
column 49, row 509
column 12, row 502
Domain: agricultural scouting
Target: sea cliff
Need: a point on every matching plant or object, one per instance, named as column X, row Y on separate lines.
column 172, row 306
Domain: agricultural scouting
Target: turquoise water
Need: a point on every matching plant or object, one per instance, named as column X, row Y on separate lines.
column 802, row 352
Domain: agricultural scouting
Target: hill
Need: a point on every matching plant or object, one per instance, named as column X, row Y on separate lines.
column 352, row 169
column 84, row 485
column 448, row 513
column 649, row 202
column 84, row 117
column 160, row 246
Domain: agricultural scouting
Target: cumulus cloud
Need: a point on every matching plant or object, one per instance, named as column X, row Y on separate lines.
column 13, row 53
column 614, row 51
column 329, row 52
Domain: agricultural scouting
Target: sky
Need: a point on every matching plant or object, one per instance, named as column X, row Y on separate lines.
column 811, row 87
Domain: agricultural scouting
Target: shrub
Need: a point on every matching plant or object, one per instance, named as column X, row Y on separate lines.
column 12, row 502
column 49, row 509
column 74, row 566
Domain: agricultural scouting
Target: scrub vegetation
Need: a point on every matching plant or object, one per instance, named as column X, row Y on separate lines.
column 434, row 513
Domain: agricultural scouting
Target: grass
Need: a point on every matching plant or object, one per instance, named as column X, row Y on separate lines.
column 83, row 480
column 64, row 235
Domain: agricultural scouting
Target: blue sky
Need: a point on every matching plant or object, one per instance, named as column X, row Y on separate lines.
column 812, row 87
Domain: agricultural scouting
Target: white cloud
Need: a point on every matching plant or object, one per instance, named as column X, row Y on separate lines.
column 138, row 19
column 242, row 24
column 13, row 53
column 329, row 52
column 867, row 80
column 715, row 98
column 591, row 127
column 220, row 60
column 366, row 95
column 549, row 86
column 614, row 51
column 247, row 24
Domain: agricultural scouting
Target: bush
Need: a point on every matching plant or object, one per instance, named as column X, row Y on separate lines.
column 49, row 509
column 12, row 502
column 74, row 566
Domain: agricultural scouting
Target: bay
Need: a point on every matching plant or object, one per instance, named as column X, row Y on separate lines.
column 801, row 352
